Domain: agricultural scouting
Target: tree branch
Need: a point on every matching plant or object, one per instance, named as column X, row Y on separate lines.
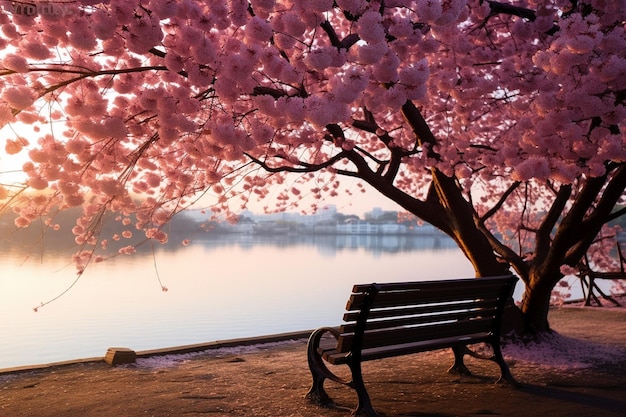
column 616, row 214
column 304, row 167
column 497, row 7
column 505, row 252
column 576, row 233
column 419, row 126
column 345, row 43
column 528, row 14
column 542, row 235
column 274, row 92
column 82, row 74
column 395, row 162
column 491, row 212
column 590, row 226
column 612, row 193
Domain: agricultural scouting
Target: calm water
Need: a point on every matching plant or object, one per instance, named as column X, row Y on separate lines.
column 234, row 286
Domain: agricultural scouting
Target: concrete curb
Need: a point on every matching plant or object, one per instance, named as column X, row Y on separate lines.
column 176, row 350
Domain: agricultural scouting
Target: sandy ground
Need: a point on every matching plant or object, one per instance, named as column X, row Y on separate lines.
column 580, row 373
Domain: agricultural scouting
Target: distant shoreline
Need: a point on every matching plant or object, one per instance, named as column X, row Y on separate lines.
column 174, row 350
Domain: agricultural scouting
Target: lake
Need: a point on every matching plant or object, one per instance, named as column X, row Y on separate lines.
column 225, row 287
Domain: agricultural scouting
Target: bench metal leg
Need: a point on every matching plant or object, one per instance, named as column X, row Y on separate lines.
column 317, row 394
column 505, row 373
column 319, row 370
column 364, row 407
column 459, row 367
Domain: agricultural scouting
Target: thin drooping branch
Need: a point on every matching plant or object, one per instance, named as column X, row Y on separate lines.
column 304, row 166
column 505, row 252
column 83, row 74
column 493, row 210
column 380, row 162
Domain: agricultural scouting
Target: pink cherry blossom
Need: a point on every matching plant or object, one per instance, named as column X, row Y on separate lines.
column 15, row 63
column 416, row 73
column 266, row 5
column 127, row 250
column 258, row 30
column 371, row 54
column 5, row 114
column 320, row 59
column 429, row 10
column 14, row 146
column 20, row 97
column 349, row 86
column 370, row 28
column 535, row 167
column 317, row 5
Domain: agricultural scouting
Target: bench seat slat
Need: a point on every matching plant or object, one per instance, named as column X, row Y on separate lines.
column 337, row 357
column 417, row 309
column 390, row 320
column 397, row 335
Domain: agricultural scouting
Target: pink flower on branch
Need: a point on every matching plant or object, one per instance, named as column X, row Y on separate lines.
column 14, row 146
column 14, row 62
column 19, row 98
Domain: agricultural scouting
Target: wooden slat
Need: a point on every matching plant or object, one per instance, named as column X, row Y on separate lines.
column 400, row 320
column 409, row 285
column 398, row 294
column 405, row 298
column 418, row 309
column 394, row 336
column 385, row 300
column 336, row 357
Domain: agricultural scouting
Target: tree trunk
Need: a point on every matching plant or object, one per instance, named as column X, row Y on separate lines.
column 536, row 303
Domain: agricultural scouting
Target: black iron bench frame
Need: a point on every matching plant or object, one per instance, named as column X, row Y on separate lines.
column 393, row 319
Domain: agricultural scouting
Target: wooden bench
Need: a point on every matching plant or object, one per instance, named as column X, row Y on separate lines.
column 386, row 320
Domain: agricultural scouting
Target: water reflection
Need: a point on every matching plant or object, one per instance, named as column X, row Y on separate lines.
column 328, row 244
column 220, row 287
column 331, row 244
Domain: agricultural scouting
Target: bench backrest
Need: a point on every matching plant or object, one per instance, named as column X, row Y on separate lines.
column 387, row 314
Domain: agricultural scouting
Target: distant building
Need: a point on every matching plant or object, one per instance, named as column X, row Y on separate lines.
column 326, row 220
column 375, row 213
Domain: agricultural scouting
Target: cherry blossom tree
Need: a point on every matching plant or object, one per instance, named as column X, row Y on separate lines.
column 499, row 122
